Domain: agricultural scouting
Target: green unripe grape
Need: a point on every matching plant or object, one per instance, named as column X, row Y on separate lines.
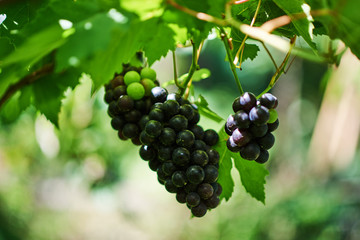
column 148, row 85
column 273, row 115
column 148, row 73
column 131, row 77
column 136, row 91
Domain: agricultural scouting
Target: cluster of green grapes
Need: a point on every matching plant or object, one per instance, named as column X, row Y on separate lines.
column 128, row 96
column 166, row 126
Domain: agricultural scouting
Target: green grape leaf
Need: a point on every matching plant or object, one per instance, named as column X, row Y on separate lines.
column 342, row 21
column 252, row 175
column 250, row 50
column 48, row 92
column 204, row 109
column 304, row 26
column 124, row 44
column 201, row 74
column 144, row 8
column 90, row 36
column 225, row 166
column 163, row 40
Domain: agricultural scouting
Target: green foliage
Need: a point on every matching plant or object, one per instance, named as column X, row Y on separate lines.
column 97, row 37
column 252, row 174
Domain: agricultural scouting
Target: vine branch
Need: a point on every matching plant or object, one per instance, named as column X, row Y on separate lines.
column 280, row 70
column 175, row 70
column 192, row 70
column 27, row 80
column 231, row 60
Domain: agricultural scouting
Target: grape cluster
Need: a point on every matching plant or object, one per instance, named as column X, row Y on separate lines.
column 250, row 127
column 181, row 152
column 128, row 96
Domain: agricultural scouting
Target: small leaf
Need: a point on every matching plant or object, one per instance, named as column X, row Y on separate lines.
column 201, row 74
column 206, row 111
column 225, row 166
column 252, row 175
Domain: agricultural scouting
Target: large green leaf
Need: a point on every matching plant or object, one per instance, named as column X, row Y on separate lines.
column 304, row 25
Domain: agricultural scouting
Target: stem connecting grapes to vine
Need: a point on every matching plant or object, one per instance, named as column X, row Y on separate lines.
column 230, row 59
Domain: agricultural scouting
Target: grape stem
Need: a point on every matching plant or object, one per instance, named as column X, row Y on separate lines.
column 192, row 70
column 230, row 59
column 238, row 59
column 187, row 92
column 175, row 71
column 280, row 70
column 27, row 80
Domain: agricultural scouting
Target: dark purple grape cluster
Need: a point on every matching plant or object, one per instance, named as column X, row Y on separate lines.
column 250, row 127
column 181, row 152
column 127, row 114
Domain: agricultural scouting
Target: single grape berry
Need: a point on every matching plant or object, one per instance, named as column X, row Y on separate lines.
column 250, row 152
column 118, row 91
column 171, row 107
column 130, row 130
column 273, row 115
column 200, row 210
column 148, row 85
column 268, row 100
column 156, row 114
column 267, row 141
column 131, row 77
column 117, row 81
column 231, row 145
column 193, row 199
column 181, row 196
column 200, row 145
column 240, row 137
column 136, row 91
column 247, row 101
column 154, row 164
column 185, row 139
column 179, row 178
column 187, row 111
column 241, row 119
column 211, row 137
column 153, row 128
column 178, row 123
column 147, row 153
column 258, row 130
column 273, row 126
column 195, row 174
column 167, row 136
column 158, row 94
column 214, row 156
column 212, row 202
column 211, row 173
column 236, row 104
column 263, row 157
column 168, row 168
column 198, row 131
column 174, row 96
column 205, row 190
column 230, row 125
column 125, row 103
column 181, row 156
column 259, row 115
column 117, row 123
column 145, row 138
column 199, row 157
column 133, row 116
column 109, row 96
column 148, row 73
column 170, row 186
column 161, row 176
column 143, row 121
column 165, row 153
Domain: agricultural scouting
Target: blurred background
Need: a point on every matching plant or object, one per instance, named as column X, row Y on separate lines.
column 82, row 182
